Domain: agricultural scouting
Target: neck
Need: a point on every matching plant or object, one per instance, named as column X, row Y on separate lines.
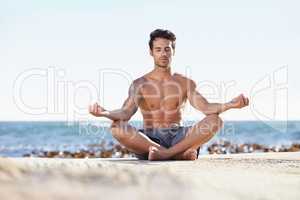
column 162, row 72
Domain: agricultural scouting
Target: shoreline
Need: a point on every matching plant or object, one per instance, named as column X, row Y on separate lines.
column 118, row 151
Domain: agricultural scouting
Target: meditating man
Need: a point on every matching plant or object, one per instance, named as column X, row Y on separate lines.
column 161, row 95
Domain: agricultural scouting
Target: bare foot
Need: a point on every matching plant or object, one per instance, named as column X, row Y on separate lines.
column 157, row 154
column 190, row 154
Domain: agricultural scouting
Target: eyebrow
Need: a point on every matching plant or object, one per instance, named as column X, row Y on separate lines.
column 160, row 48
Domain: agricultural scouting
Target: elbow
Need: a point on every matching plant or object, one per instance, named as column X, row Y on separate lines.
column 125, row 116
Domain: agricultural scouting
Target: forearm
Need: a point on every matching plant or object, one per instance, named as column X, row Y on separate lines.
column 116, row 115
column 201, row 104
column 216, row 108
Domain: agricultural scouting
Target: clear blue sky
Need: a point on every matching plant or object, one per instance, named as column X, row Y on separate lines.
column 217, row 42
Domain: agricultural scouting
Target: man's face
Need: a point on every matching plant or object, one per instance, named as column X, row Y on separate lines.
column 162, row 52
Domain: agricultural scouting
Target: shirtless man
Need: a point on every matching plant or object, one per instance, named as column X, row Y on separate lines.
column 161, row 95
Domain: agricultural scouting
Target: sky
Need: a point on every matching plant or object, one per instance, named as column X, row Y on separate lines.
column 57, row 57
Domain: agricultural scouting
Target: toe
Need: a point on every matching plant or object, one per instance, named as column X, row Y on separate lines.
column 191, row 154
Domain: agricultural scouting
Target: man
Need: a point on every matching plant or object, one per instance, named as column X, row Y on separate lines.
column 161, row 95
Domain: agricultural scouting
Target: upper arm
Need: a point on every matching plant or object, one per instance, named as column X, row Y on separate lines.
column 130, row 105
column 194, row 97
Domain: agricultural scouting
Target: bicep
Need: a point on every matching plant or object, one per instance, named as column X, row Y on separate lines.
column 130, row 105
column 194, row 97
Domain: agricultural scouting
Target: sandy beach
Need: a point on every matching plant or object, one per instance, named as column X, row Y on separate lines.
column 238, row 176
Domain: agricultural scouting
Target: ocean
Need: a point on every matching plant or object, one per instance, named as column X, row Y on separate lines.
column 20, row 138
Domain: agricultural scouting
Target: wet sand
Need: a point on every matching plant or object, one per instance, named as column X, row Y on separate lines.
column 235, row 176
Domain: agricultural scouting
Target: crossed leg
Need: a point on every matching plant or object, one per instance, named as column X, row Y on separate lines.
column 186, row 149
column 132, row 139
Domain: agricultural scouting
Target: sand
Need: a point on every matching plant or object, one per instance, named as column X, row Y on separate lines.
column 237, row 176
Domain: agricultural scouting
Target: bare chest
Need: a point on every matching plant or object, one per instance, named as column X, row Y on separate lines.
column 162, row 95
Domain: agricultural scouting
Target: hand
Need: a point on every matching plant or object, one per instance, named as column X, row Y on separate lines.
column 239, row 102
column 97, row 110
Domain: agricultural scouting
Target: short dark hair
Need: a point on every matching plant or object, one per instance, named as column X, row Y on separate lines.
column 161, row 33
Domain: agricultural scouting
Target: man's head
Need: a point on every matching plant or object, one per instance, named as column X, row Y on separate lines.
column 162, row 47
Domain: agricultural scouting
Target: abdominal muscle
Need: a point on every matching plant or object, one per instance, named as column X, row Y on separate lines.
column 161, row 119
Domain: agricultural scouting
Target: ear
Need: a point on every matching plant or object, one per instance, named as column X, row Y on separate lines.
column 150, row 52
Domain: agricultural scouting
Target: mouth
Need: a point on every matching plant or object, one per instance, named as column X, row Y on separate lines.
column 164, row 59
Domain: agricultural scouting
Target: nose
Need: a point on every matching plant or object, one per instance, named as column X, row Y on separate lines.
column 163, row 53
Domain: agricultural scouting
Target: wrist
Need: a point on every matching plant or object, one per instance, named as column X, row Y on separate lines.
column 228, row 105
column 104, row 113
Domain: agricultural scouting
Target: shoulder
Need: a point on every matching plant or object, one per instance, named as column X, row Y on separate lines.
column 137, row 83
column 184, row 79
column 181, row 77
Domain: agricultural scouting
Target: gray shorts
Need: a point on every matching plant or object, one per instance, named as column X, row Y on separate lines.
column 167, row 137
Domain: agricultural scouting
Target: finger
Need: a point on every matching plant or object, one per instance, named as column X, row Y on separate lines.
column 233, row 100
column 243, row 100
column 98, row 109
column 247, row 101
column 95, row 107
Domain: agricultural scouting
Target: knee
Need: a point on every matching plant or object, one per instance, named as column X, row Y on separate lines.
column 216, row 119
column 118, row 130
column 215, row 122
